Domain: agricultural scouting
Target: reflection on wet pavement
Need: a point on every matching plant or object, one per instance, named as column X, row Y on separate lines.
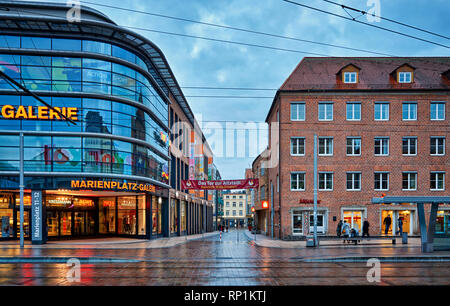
column 234, row 261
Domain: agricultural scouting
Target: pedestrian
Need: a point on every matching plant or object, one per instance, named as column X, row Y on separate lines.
column 339, row 228
column 365, row 228
column 400, row 226
column 345, row 232
column 387, row 222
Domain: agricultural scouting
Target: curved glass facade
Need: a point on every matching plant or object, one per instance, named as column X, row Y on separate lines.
column 74, row 74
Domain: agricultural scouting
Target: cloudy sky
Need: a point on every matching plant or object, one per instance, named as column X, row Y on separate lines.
column 202, row 63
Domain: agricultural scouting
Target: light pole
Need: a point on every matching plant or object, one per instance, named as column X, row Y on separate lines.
column 315, row 190
column 21, row 186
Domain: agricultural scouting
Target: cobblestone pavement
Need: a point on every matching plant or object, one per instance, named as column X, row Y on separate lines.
column 233, row 261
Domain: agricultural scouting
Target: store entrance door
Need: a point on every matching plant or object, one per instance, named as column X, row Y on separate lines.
column 84, row 223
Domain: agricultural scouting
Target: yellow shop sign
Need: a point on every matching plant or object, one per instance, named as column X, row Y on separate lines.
column 38, row 112
column 92, row 184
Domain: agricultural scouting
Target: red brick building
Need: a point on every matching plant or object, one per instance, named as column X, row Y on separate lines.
column 383, row 128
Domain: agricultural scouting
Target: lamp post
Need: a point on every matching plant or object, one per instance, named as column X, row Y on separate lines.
column 315, row 190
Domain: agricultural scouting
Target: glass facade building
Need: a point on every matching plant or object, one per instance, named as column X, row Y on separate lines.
column 118, row 84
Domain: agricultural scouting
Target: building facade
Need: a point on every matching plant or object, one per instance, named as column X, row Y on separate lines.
column 235, row 208
column 382, row 127
column 261, row 194
column 111, row 172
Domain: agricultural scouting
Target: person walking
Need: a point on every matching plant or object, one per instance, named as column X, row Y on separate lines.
column 400, row 226
column 339, row 228
column 387, row 222
column 365, row 228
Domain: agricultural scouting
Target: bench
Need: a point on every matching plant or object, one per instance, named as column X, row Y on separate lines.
column 355, row 240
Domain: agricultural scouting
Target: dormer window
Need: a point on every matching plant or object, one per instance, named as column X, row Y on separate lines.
column 350, row 77
column 404, row 74
column 404, row 77
column 349, row 74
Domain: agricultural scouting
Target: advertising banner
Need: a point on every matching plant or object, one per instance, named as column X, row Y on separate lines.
column 219, row 185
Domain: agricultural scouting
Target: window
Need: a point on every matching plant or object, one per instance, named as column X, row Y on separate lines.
column 381, row 181
column 409, row 111
column 409, row 181
column 228, row 204
column 326, row 181
column 227, row 213
column 353, row 181
column 297, row 146
column 381, row 146
column 381, row 111
column 241, row 213
column 437, row 111
column 297, row 111
column 297, row 181
column 409, row 146
column 437, row 145
column 353, row 146
column 437, row 181
column 326, row 111
column 353, row 111
column 404, row 77
column 325, row 146
column 241, row 204
column 234, row 213
column 234, row 204
column 349, row 77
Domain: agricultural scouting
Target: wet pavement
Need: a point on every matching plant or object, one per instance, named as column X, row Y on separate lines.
column 233, row 261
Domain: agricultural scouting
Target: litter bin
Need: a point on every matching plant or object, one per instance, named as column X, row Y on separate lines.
column 310, row 241
column 404, row 238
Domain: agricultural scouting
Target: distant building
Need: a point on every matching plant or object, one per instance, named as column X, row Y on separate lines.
column 235, row 208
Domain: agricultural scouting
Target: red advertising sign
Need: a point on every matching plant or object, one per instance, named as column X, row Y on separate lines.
column 223, row 184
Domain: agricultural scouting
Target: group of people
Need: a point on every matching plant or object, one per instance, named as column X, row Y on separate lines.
column 343, row 228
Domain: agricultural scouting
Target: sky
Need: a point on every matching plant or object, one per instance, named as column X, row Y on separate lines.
column 201, row 63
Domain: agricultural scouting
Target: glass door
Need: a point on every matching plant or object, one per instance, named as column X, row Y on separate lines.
column 297, row 223
column 66, row 223
column 353, row 218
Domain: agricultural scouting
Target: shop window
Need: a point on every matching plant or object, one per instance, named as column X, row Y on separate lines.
column 353, row 218
column 320, row 223
column 443, row 222
column 107, row 215
column 6, row 216
column 126, row 215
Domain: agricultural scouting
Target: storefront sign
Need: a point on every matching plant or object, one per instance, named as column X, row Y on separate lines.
column 36, row 217
column 38, row 112
column 307, row 201
column 223, row 184
column 90, row 184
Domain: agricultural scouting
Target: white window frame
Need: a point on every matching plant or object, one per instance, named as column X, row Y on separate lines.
column 327, row 105
column 297, row 104
column 409, row 173
column 353, row 181
column 382, row 105
column 298, row 146
column 436, row 105
column 326, row 174
column 437, row 146
column 409, row 111
column 402, row 77
column 352, row 111
column 325, row 138
column 297, row 180
column 353, row 146
column 408, row 138
column 436, row 181
column 381, row 180
column 381, row 138
column 297, row 213
column 352, row 77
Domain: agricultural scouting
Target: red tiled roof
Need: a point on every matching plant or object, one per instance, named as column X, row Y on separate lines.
column 319, row 73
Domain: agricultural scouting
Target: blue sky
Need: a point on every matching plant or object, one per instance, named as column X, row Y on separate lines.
column 203, row 63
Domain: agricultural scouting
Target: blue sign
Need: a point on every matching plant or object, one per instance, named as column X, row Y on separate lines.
column 36, row 217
